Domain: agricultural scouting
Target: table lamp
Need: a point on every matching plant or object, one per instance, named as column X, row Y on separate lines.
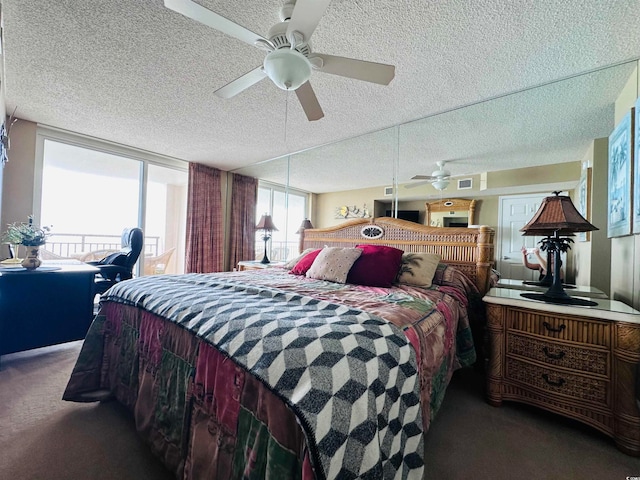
column 266, row 225
column 557, row 216
column 305, row 225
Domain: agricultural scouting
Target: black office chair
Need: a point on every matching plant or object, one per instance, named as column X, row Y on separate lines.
column 119, row 266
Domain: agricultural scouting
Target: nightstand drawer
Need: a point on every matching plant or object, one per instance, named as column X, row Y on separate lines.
column 555, row 381
column 583, row 358
column 592, row 332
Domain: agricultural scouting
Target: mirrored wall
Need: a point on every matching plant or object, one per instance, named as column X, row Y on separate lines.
column 546, row 125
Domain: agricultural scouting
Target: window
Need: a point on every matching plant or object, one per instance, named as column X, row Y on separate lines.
column 288, row 209
column 90, row 191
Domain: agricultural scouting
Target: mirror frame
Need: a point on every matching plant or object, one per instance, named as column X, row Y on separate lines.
column 457, row 207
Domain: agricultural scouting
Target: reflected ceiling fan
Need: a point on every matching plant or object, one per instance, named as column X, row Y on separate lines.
column 439, row 178
column 289, row 60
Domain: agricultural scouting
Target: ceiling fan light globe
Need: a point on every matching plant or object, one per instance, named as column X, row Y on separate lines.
column 287, row 68
column 440, row 184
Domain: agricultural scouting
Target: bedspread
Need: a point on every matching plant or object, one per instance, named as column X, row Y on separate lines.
column 338, row 355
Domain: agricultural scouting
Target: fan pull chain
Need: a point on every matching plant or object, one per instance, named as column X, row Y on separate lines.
column 286, row 119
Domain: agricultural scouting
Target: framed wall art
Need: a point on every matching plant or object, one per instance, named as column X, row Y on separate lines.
column 620, row 179
column 583, row 201
column 636, row 169
column 348, row 211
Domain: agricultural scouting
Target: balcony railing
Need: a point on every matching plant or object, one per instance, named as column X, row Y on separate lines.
column 73, row 245
column 279, row 251
column 70, row 245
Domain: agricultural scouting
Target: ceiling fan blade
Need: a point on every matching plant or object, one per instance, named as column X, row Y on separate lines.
column 200, row 14
column 306, row 16
column 417, row 184
column 241, row 83
column 423, row 177
column 359, row 69
column 309, row 102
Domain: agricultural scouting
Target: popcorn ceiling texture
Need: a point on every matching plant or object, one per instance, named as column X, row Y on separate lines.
column 139, row 74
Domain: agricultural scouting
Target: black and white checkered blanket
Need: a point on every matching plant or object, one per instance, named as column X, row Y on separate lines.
column 350, row 377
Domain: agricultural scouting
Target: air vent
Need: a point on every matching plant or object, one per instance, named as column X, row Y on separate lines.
column 388, row 191
column 465, row 183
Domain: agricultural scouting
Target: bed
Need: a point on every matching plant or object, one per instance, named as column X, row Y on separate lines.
column 269, row 374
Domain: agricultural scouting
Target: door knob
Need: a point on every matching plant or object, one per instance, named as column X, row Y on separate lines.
column 506, row 258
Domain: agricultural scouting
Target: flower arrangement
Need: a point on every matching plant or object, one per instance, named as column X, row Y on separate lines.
column 26, row 234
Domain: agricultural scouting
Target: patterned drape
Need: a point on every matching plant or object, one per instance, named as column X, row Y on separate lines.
column 205, row 229
column 242, row 236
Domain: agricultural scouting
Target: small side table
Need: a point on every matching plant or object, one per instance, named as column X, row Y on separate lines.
column 580, row 362
column 257, row 265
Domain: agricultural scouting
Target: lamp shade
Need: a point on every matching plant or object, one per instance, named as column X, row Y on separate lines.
column 306, row 223
column 266, row 223
column 557, row 214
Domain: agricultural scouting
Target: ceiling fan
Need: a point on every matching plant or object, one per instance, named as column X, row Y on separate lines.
column 289, row 60
column 438, row 178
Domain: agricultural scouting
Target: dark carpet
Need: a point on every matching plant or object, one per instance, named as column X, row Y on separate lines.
column 42, row 437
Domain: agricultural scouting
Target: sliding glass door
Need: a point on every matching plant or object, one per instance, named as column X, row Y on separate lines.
column 287, row 209
column 89, row 195
column 166, row 219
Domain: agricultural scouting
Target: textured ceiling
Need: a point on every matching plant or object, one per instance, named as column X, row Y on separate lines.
column 136, row 73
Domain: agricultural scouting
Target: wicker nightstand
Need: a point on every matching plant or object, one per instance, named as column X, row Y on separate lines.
column 579, row 362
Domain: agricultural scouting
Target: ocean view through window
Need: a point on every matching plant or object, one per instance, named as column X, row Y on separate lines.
column 89, row 195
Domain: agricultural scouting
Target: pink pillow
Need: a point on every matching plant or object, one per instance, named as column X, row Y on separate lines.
column 304, row 264
column 378, row 266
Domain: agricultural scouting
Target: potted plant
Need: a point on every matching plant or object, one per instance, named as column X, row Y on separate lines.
column 29, row 235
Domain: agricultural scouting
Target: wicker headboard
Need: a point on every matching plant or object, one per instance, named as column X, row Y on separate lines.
column 469, row 249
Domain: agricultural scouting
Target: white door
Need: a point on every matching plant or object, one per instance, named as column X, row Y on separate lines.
column 514, row 212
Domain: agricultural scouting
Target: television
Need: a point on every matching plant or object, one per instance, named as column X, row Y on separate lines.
column 410, row 215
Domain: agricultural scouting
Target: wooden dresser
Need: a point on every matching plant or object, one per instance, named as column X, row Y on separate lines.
column 580, row 362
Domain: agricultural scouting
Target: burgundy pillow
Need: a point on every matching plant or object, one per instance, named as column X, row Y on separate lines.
column 378, row 266
column 304, row 263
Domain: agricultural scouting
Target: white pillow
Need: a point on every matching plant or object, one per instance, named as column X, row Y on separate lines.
column 333, row 264
column 418, row 268
column 292, row 263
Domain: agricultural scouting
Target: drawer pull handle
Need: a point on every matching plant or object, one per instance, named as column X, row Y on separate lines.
column 548, row 326
column 559, row 383
column 555, row 356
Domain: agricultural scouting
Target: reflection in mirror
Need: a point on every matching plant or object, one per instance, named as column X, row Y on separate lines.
column 550, row 124
column 455, row 212
column 547, row 125
column 334, row 167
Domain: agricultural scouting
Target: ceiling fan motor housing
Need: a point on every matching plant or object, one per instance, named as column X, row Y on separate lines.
column 441, row 172
column 278, row 37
